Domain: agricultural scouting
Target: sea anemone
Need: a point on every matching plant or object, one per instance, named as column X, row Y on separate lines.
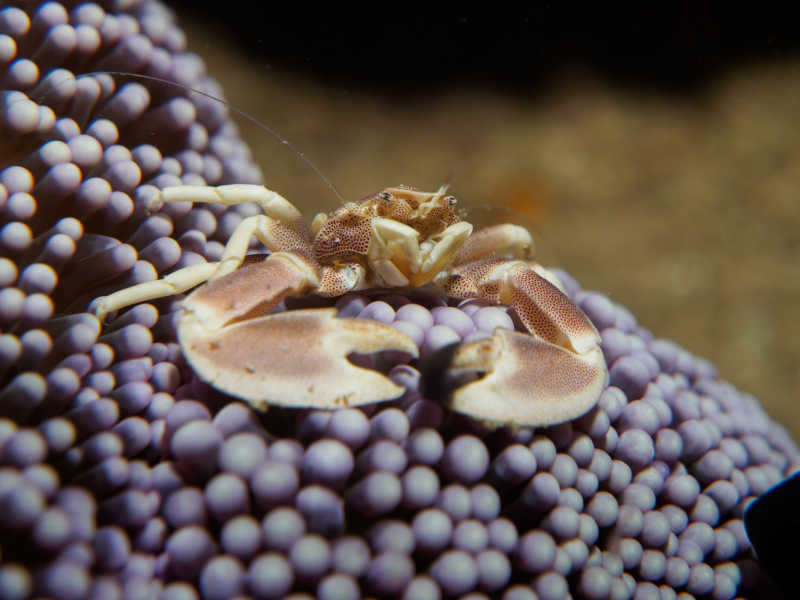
column 123, row 475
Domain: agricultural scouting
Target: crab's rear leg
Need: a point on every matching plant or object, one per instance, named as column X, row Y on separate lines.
column 553, row 375
column 280, row 228
column 499, row 241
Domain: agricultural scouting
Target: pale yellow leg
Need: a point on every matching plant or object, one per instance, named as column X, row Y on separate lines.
column 236, row 248
column 272, row 203
column 191, row 276
column 174, row 283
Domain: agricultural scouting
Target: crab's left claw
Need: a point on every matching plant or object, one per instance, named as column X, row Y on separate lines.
column 295, row 358
column 527, row 381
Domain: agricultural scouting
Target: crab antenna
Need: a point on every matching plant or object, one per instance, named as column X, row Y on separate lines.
column 238, row 111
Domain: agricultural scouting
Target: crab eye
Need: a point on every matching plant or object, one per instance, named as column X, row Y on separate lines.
column 385, row 196
column 451, row 200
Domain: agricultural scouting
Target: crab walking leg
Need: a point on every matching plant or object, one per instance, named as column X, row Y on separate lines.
column 174, row 283
column 272, row 203
column 275, row 236
column 260, row 226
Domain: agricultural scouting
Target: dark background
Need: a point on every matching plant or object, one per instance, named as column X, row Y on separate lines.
column 676, row 48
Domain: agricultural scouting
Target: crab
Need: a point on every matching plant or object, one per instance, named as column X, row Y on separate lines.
column 399, row 238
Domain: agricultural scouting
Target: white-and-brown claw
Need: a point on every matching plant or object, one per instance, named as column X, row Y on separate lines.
column 295, row 358
column 251, row 291
column 527, row 381
column 401, row 238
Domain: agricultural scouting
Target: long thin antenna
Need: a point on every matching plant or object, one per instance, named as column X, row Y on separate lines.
column 238, row 111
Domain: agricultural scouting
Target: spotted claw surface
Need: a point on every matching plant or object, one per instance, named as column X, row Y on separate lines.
column 527, row 381
column 296, row 358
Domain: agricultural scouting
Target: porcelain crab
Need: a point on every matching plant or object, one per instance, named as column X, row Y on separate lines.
column 398, row 238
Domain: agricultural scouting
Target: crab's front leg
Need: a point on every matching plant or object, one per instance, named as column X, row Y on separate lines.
column 550, row 376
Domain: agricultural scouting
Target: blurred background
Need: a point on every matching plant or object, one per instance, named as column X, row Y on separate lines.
column 654, row 156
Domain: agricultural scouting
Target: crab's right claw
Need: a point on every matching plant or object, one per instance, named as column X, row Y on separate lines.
column 527, row 381
column 295, row 358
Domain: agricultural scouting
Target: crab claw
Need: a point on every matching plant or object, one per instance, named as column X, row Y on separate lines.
column 295, row 358
column 527, row 381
